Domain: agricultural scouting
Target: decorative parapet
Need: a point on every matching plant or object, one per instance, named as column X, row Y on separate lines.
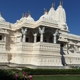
column 38, row 46
column 46, row 47
column 24, row 46
column 73, row 37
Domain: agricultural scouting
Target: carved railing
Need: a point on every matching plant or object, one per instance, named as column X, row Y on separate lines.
column 24, row 46
column 46, row 46
column 38, row 46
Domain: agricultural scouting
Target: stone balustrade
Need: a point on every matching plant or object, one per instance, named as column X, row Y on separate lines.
column 38, row 46
column 46, row 46
column 24, row 46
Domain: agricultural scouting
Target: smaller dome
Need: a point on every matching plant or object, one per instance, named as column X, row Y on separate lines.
column 45, row 16
column 26, row 18
column 29, row 18
column 1, row 18
column 22, row 19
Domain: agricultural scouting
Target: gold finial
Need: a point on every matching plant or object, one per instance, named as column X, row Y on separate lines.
column 52, row 4
column 23, row 15
column 45, row 10
column 61, row 2
column 29, row 13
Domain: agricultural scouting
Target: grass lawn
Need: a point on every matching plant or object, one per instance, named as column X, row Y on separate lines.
column 56, row 77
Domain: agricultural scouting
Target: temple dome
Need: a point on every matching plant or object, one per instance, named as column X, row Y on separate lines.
column 1, row 18
column 26, row 18
column 45, row 16
column 22, row 19
column 29, row 18
column 51, row 12
column 60, row 14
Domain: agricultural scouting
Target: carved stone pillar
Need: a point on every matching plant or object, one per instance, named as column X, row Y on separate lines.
column 24, row 30
column 41, row 31
column 55, row 36
column 24, row 37
column 20, row 38
column 41, row 37
column 75, row 48
column 4, row 37
column 35, row 37
column 67, row 48
column 54, row 39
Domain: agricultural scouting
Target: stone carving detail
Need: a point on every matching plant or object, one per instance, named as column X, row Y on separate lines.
column 41, row 31
column 35, row 37
column 24, row 32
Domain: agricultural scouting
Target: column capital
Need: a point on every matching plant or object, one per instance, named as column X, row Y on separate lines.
column 56, row 32
column 35, row 34
column 24, row 30
column 35, row 37
column 41, row 31
column 54, row 35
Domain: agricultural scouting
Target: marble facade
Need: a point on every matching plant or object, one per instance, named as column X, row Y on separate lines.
column 45, row 43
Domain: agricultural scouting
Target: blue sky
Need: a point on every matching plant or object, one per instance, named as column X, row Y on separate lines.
column 12, row 10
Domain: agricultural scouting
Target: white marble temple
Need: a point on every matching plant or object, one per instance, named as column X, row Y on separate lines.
column 45, row 43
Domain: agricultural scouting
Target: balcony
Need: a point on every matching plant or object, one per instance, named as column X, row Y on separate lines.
column 39, row 46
